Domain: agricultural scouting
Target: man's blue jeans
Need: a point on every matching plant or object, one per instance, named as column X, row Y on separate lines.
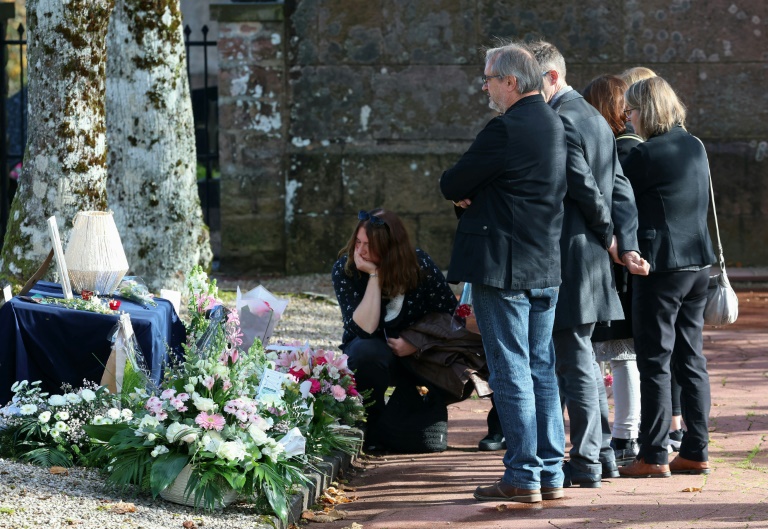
column 516, row 326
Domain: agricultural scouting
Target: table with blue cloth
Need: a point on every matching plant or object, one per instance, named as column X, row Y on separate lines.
column 56, row 344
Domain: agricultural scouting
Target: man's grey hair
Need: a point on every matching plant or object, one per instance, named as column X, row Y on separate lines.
column 548, row 56
column 514, row 59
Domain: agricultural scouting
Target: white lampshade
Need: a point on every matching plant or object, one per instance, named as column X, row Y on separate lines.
column 95, row 257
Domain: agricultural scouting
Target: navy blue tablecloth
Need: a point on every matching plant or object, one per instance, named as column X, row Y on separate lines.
column 56, row 344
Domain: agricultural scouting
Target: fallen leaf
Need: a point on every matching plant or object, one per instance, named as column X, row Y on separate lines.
column 612, row 520
column 501, row 507
column 324, row 516
column 189, row 524
column 58, row 470
column 354, row 525
column 692, row 489
column 123, row 508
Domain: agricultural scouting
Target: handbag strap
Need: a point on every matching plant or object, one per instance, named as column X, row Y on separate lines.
column 721, row 259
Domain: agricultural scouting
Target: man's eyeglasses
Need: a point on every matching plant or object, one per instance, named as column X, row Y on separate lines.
column 628, row 111
column 373, row 219
column 486, row 78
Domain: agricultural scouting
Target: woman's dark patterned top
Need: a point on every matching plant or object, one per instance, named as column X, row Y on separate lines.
column 431, row 295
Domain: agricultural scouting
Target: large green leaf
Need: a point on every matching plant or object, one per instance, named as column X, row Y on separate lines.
column 165, row 470
column 103, row 432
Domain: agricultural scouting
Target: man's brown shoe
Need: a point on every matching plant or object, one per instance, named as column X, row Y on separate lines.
column 681, row 465
column 640, row 469
column 552, row 493
column 501, row 491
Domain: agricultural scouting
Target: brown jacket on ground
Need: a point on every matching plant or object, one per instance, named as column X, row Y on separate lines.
column 452, row 359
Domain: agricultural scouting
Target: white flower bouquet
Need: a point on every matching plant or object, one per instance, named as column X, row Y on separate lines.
column 49, row 429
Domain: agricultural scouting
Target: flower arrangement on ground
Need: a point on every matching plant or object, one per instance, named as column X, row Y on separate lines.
column 48, row 429
column 326, row 380
column 209, row 415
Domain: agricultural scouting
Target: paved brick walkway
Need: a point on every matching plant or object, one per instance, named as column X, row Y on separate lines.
column 435, row 490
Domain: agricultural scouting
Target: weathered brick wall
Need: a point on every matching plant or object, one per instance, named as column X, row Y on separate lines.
column 359, row 104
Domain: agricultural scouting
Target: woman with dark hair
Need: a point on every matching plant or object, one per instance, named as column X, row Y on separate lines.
column 385, row 288
column 669, row 174
column 613, row 343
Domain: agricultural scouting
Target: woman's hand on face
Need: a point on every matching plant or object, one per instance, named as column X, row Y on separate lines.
column 401, row 347
column 367, row 267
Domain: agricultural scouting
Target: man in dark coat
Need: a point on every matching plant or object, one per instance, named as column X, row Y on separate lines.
column 600, row 224
column 508, row 189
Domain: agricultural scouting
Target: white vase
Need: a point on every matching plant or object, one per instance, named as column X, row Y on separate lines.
column 175, row 492
column 95, row 257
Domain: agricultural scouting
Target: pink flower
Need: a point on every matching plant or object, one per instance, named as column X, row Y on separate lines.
column 205, row 302
column 241, row 415
column 183, row 397
column 209, row 382
column 167, row 394
column 316, row 387
column 352, row 391
column 338, row 393
column 608, row 380
column 210, row 422
column 226, row 385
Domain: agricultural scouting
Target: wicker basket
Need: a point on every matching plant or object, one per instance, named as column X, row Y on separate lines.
column 95, row 257
column 175, row 492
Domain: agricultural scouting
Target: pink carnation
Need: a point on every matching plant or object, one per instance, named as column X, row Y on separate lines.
column 608, row 380
column 338, row 393
column 316, row 387
column 210, row 422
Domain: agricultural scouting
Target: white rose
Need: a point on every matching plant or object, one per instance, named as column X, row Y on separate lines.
column 232, row 450
column 126, row 414
column 72, row 398
column 99, row 420
column 151, row 437
column 148, row 421
column 189, row 388
column 57, row 400
column 203, row 404
column 258, row 435
column 190, row 437
column 44, row 417
column 173, row 431
column 28, row 409
column 87, row 395
column 113, row 413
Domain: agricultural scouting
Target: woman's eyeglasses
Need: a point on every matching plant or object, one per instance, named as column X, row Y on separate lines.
column 373, row 219
column 628, row 111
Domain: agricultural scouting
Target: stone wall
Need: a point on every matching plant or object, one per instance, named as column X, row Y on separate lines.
column 331, row 106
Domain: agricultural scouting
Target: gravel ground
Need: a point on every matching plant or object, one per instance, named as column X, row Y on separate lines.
column 32, row 497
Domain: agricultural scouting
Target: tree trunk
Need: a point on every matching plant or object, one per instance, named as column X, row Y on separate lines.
column 65, row 163
column 150, row 130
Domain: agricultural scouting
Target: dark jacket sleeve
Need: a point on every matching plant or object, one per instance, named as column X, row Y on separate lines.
column 481, row 164
column 582, row 186
column 624, row 214
column 349, row 295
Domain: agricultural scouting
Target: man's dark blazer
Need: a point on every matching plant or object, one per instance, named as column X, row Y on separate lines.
column 598, row 204
column 669, row 174
column 514, row 173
